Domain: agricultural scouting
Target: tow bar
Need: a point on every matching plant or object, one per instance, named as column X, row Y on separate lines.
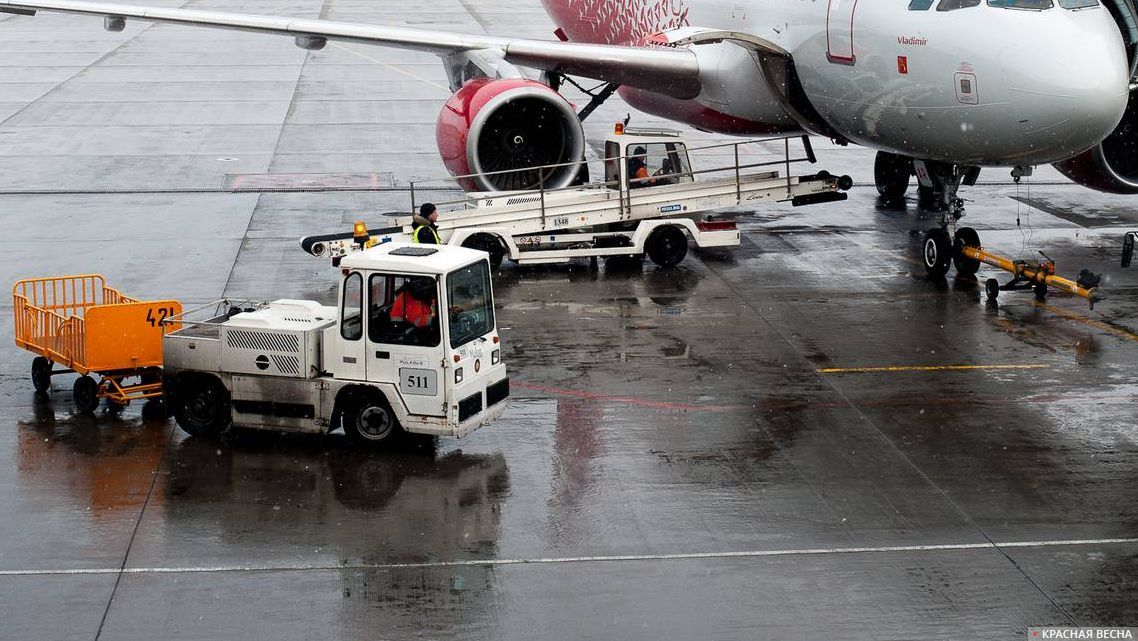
column 1034, row 275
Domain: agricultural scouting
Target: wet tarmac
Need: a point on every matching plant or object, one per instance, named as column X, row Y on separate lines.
column 801, row 438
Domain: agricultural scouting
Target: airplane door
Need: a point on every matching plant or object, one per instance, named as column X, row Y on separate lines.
column 839, row 31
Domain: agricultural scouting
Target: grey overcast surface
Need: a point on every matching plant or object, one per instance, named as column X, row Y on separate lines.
column 674, row 463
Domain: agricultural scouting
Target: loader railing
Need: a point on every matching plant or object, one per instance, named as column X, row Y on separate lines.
column 735, row 170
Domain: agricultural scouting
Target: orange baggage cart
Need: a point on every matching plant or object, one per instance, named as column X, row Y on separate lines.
column 81, row 324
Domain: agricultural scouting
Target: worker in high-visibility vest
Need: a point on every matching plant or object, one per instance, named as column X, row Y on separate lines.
column 415, row 303
column 426, row 230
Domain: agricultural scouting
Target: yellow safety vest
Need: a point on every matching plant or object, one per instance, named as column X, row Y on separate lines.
column 415, row 234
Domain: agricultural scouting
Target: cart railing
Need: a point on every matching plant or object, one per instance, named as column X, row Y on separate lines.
column 49, row 313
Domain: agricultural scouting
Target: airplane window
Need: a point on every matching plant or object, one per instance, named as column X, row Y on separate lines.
column 1077, row 4
column 1038, row 5
column 920, row 5
column 952, row 5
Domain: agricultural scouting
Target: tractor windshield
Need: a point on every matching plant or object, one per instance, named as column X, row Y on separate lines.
column 471, row 307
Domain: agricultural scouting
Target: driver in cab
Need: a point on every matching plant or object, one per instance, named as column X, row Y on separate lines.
column 416, row 303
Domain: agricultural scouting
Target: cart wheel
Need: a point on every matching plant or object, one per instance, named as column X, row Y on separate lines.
column 992, row 288
column 202, row 406
column 667, row 246
column 114, row 408
column 41, row 374
column 1040, row 290
column 937, row 253
column 965, row 237
column 86, row 394
column 368, row 420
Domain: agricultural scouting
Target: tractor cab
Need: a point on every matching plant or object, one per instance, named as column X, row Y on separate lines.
column 640, row 157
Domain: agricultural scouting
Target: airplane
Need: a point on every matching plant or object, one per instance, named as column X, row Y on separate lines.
column 938, row 87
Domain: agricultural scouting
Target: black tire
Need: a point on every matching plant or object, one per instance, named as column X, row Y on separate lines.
column 490, row 245
column 202, row 407
column 666, row 246
column 85, row 392
column 1040, row 290
column 936, row 253
column 41, row 374
column 891, row 175
column 992, row 288
column 965, row 237
column 114, row 408
column 368, row 420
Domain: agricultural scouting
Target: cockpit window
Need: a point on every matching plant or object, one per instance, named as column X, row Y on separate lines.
column 920, row 5
column 1038, row 5
column 953, row 5
column 1077, row 4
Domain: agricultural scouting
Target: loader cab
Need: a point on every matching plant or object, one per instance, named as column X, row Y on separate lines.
column 660, row 153
column 421, row 319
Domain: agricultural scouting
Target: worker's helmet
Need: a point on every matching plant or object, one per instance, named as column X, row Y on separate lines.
column 426, row 209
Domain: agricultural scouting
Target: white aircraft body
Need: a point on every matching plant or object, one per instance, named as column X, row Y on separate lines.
column 949, row 84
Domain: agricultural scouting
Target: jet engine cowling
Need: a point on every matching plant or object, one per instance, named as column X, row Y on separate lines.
column 1112, row 165
column 513, row 126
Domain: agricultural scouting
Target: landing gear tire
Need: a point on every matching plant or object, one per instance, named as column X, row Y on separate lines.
column 488, row 244
column 965, row 237
column 667, row 246
column 369, row 421
column 891, row 175
column 937, row 253
column 85, row 392
column 992, row 289
column 41, row 374
column 202, row 407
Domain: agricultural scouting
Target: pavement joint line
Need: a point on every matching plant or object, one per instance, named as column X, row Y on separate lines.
column 388, row 66
column 679, row 556
column 926, row 368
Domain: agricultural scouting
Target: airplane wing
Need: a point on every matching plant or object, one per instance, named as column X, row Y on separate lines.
column 668, row 70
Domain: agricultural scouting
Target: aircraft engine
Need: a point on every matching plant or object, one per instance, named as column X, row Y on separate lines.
column 512, row 125
column 1111, row 166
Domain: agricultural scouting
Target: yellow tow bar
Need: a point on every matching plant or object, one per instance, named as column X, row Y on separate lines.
column 1036, row 275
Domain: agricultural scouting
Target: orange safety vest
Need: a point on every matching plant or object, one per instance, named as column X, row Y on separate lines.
column 409, row 309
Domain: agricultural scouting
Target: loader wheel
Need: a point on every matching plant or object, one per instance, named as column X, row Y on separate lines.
column 490, row 245
column 368, row 420
column 891, row 175
column 202, row 406
column 41, row 374
column 937, row 253
column 667, row 246
column 965, row 237
column 86, row 394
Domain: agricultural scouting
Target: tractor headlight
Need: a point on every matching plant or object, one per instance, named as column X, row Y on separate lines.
column 458, row 375
column 496, row 357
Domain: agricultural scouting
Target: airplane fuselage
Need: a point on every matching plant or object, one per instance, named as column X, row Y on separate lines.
column 977, row 85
